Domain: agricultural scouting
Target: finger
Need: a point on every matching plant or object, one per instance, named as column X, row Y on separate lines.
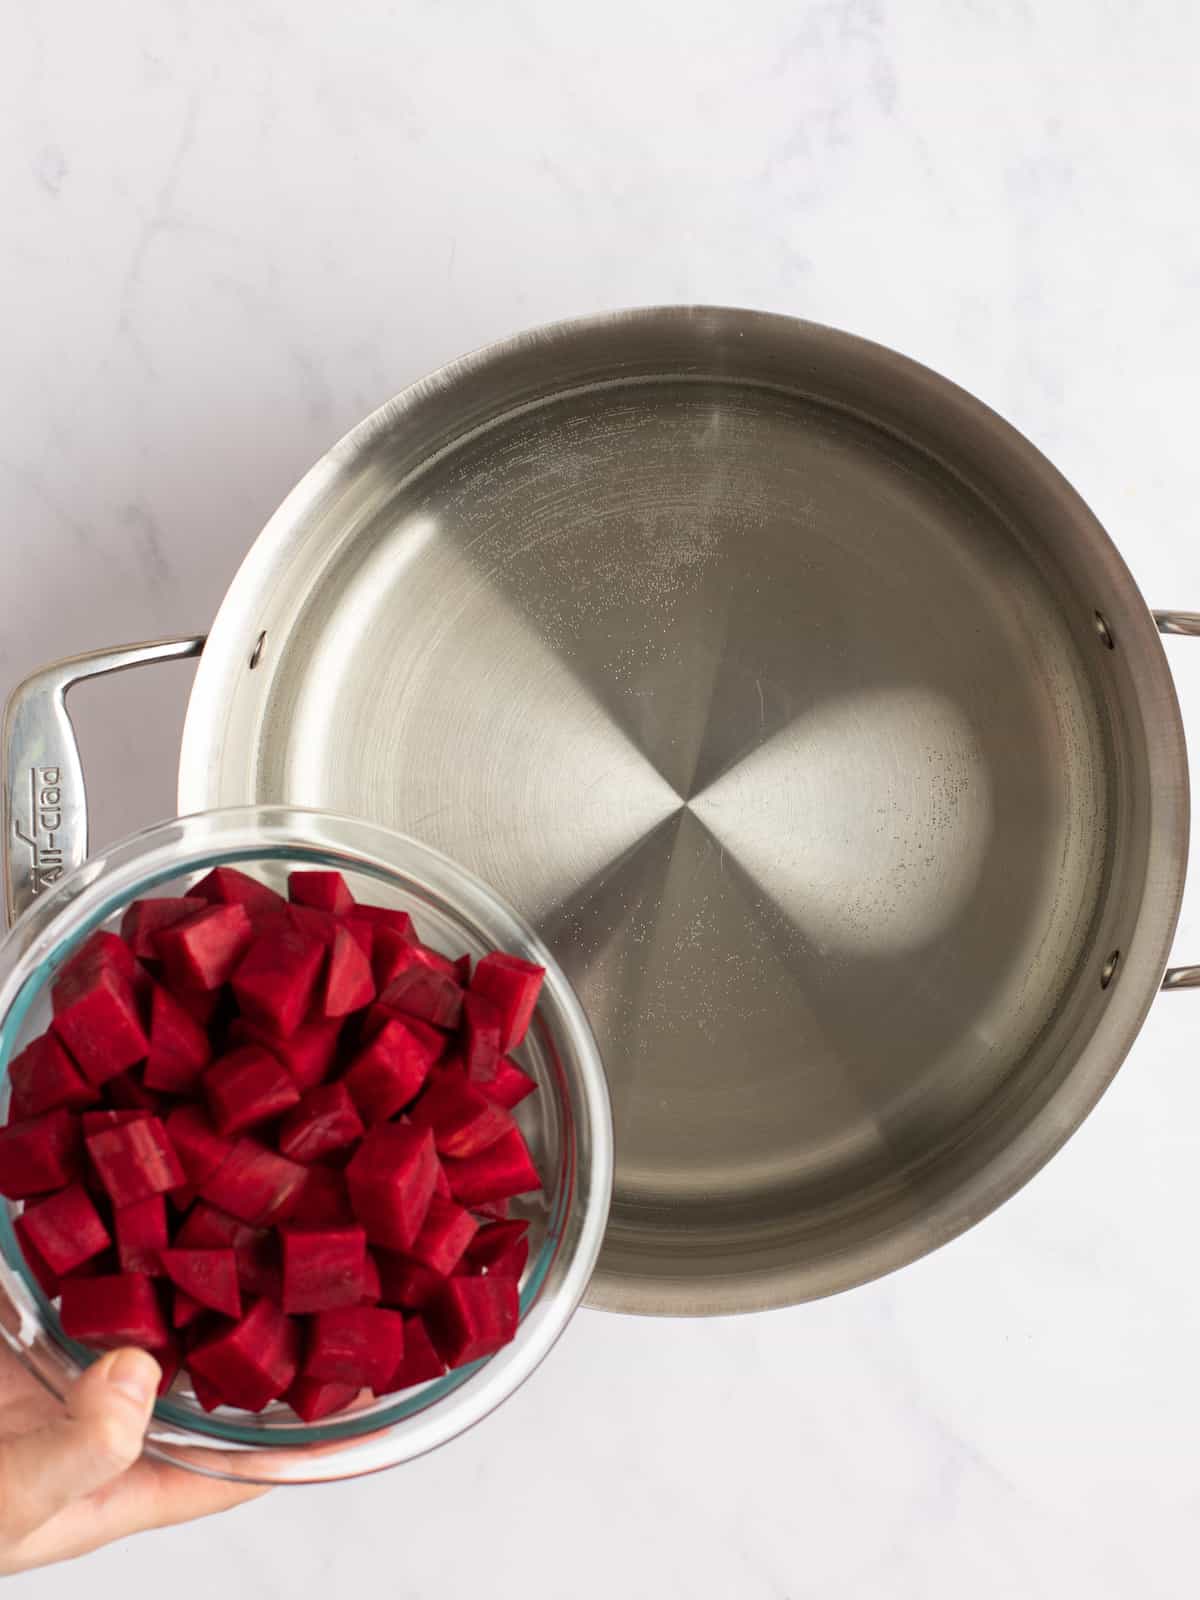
column 98, row 1437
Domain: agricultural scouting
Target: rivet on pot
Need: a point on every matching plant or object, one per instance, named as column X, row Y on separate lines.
column 256, row 653
column 1110, row 969
column 1105, row 632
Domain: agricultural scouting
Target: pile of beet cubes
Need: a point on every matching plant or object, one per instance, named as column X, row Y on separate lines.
column 272, row 1142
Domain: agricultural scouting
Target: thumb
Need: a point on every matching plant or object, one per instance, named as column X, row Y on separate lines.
column 98, row 1438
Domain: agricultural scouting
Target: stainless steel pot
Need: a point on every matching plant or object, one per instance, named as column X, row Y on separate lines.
column 804, row 708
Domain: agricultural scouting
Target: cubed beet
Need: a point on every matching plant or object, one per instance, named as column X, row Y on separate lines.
column 463, row 1121
column 473, row 1317
column 513, row 987
column 276, row 977
column 141, row 1230
column 359, row 1344
column 323, row 1268
column 391, row 1180
column 388, row 1072
column 39, row 1154
column 209, row 1277
column 325, row 1121
column 326, row 891
column 247, row 1087
column 43, row 1077
column 253, row 1362
column 135, row 1159
column 179, row 1046
column 113, row 1310
column 502, row 1170
column 66, row 1229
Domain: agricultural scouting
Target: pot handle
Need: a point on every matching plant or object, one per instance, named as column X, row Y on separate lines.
column 43, row 798
column 1184, row 624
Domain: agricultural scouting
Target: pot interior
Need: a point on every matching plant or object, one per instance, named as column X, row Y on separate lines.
column 762, row 671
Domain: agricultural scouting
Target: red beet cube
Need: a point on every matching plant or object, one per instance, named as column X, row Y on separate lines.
column 113, row 1310
column 185, row 1310
column 254, row 1362
column 473, row 1317
column 421, row 1363
column 208, row 1397
column 141, row 1230
column 66, row 1229
column 504, row 1169
column 39, row 1154
column 306, row 1056
column 324, row 1121
column 501, row 1249
column 378, row 1016
column 135, row 1159
column 446, row 1232
column 386, row 917
column 275, row 979
column 254, row 1184
column 462, row 1120
column 93, row 1121
column 227, row 886
column 442, row 1187
column 326, row 891
column 362, row 932
column 513, row 986
column 207, row 1228
column 388, row 1072
column 392, row 951
column 169, row 1358
column 348, row 984
column 481, row 1035
column 372, row 1287
column 144, row 918
column 358, row 1344
column 44, row 1077
column 43, row 1273
column 496, row 1210
column 308, row 919
column 179, row 1047
column 311, row 1399
column 323, row 1268
column 201, row 952
column 200, row 1149
column 96, row 1017
column 324, row 1198
column 391, row 1180
column 404, row 1282
column 209, row 1277
column 420, row 990
column 100, row 950
column 247, row 1087
column 506, row 1084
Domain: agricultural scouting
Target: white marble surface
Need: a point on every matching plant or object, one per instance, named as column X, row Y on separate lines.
column 232, row 227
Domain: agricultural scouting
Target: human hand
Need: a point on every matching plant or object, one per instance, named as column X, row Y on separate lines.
column 72, row 1477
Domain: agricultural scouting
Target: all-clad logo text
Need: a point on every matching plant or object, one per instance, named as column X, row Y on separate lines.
column 45, row 824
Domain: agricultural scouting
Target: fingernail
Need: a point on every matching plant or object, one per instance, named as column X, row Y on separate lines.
column 135, row 1374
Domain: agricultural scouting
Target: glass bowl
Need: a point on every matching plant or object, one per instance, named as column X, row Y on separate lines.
column 567, row 1125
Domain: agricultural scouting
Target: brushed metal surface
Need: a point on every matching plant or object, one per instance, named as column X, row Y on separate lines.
column 807, row 713
column 42, row 795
